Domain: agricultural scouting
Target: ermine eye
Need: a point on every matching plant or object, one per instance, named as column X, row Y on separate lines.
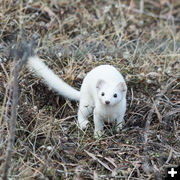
column 115, row 95
column 102, row 94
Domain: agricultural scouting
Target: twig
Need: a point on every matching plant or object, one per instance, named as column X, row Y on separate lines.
column 12, row 123
column 132, row 97
column 4, row 70
column 130, row 175
column 18, row 54
column 147, row 167
column 98, row 160
column 148, row 122
column 4, row 103
column 157, row 111
column 170, row 156
column 170, row 113
column 176, row 131
column 4, row 115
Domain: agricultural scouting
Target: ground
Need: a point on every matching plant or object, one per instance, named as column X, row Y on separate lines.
column 141, row 39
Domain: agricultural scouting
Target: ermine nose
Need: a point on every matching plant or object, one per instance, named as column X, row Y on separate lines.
column 107, row 102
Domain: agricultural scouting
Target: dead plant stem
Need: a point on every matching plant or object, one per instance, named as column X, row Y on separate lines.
column 12, row 124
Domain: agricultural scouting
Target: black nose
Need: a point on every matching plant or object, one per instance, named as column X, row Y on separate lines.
column 107, row 102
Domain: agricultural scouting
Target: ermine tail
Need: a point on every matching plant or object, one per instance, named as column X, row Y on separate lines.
column 51, row 79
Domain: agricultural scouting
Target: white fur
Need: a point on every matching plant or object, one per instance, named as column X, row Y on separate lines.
column 102, row 79
column 97, row 94
column 51, row 79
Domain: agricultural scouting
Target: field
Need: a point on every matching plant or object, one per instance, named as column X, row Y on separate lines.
column 141, row 39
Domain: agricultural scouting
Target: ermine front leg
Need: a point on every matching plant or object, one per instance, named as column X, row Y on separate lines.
column 120, row 123
column 99, row 125
column 83, row 113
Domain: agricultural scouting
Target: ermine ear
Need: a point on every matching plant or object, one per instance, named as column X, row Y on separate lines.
column 122, row 86
column 100, row 83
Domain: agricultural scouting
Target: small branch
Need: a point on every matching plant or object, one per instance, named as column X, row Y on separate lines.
column 170, row 156
column 98, row 160
column 21, row 53
column 148, row 122
column 176, row 130
column 4, row 114
column 12, row 124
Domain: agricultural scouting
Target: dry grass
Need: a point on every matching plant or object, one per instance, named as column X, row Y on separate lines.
column 74, row 37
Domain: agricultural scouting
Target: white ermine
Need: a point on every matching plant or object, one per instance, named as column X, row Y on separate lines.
column 103, row 92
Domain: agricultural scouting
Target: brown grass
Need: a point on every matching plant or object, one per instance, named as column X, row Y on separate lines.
column 75, row 36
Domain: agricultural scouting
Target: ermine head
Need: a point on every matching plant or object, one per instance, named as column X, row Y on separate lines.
column 110, row 94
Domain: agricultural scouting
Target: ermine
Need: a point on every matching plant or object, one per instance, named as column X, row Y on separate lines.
column 103, row 93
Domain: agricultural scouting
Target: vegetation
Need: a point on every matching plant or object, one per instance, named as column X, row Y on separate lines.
column 141, row 39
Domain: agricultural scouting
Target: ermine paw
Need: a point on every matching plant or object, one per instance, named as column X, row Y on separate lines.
column 83, row 124
column 119, row 128
column 98, row 134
